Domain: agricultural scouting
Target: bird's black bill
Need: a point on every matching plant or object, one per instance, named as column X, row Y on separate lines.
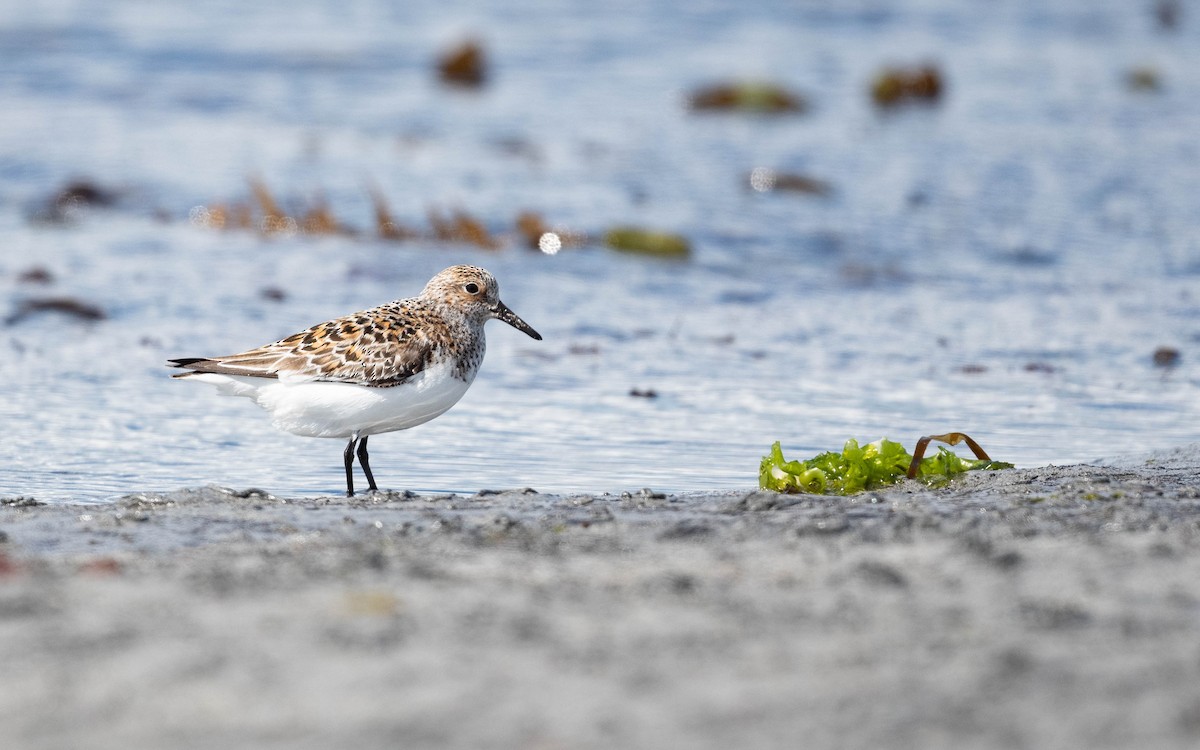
column 502, row 312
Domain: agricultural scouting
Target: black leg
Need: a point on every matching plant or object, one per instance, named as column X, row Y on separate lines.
column 362, row 459
column 349, row 458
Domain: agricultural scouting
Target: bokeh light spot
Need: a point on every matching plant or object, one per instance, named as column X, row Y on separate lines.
column 549, row 243
column 762, row 179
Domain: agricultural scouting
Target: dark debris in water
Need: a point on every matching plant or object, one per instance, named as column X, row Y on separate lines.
column 1168, row 14
column 518, row 147
column 35, row 275
column 72, row 199
column 766, row 180
column 854, row 273
column 1166, row 356
column 69, row 306
column 1143, row 78
column 895, row 85
column 263, row 213
column 1029, row 256
column 266, row 215
column 86, row 193
column 746, row 96
column 1042, row 367
column 386, row 226
column 461, row 227
column 464, row 65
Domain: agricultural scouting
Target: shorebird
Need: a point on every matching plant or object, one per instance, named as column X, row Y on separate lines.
column 389, row 368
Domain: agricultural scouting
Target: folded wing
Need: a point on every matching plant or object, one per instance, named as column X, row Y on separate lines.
column 379, row 348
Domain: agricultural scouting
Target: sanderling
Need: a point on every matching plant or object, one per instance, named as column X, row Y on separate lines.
column 388, row 368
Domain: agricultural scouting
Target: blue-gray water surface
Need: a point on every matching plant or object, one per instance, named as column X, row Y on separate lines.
column 1003, row 262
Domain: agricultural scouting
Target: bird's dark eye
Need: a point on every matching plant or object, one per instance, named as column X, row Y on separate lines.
column 471, row 288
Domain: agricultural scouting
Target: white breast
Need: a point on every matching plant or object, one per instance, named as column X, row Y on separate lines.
column 322, row 409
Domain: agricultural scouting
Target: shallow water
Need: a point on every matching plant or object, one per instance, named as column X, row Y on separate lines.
column 1004, row 263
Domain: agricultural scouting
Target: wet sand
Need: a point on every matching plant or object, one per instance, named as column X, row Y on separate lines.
column 1053, row 607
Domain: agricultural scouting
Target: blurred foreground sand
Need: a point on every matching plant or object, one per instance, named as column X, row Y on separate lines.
column 1040, row 608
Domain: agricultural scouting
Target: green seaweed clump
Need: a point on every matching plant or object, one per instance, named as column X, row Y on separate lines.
column 647, row 242
column 858, row 468
column 747, row 96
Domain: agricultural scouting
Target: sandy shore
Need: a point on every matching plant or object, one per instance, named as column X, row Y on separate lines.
column 1039, row 608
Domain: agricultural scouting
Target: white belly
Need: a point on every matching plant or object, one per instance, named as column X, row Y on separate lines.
column 320, row 409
